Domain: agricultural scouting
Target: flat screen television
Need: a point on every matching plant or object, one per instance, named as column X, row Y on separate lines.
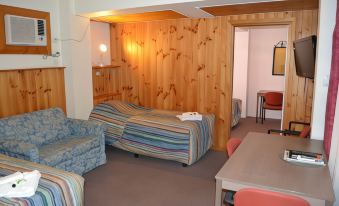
column 304, row 56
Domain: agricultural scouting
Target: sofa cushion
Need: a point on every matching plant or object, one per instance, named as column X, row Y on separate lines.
column 63, row 150
column 50, row 124
column 7, row 128
column 39, row 128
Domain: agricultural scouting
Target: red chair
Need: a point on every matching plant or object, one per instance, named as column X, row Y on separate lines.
column 305, row 133
column 272, row 101
column 256, row 197
column 232, row 145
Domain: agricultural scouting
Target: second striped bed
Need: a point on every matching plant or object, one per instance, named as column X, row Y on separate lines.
column 156, row 133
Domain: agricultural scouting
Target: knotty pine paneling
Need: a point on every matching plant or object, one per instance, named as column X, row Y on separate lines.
column 176, row 65
column 186, row 65
column 147, row 16
column 29, row 90
column 104, row 88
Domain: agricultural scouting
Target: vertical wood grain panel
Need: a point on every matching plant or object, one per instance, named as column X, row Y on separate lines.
column 30, row 90
column 177, row 65
column 186, row 65
column 299, row 90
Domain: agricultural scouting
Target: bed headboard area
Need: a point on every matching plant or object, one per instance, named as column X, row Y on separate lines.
column 27, row 90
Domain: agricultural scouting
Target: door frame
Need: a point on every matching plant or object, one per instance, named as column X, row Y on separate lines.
column 290, row 22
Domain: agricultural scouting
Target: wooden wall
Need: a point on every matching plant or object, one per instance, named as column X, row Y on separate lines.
column 30, row 90
column 104, row 88
column 299, row 90
column 176, row 65
column 186, row 65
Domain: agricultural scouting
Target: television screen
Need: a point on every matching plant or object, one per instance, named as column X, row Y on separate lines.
column 304, row 56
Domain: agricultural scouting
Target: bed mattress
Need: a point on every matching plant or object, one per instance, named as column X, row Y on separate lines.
column 236, row 111
column 56, row 187
column 152, row 132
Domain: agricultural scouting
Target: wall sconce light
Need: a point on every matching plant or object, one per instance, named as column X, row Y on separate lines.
column 103, row 49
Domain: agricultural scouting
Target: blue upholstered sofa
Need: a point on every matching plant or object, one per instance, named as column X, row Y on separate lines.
column 49, row 138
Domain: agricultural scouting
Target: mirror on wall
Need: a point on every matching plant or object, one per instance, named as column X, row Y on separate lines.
column 279, row 58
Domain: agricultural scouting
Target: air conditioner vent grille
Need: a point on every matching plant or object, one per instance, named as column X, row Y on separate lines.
column 25, row 31
column 41, row 27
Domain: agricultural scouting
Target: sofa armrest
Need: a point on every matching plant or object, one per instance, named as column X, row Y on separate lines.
column 85, row 127
column 19, row 149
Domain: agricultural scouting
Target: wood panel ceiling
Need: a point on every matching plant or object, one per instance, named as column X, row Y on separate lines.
column 235, row 9
column 277, row 6
column 148, row 16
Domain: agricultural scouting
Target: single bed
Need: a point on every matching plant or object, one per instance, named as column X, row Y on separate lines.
column 236, row 111
column 56, row 187
column 155, row 133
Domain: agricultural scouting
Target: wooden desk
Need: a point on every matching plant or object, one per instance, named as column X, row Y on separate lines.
column 260, row 101
column 258, row 163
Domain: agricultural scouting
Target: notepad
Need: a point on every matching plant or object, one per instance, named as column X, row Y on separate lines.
column 304, row 157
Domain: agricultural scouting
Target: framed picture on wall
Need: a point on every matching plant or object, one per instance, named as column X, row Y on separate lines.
column 279, row 59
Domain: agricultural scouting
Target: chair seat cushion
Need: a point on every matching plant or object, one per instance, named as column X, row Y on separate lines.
column 305, row 132
column 272, row 107
column 63, row 150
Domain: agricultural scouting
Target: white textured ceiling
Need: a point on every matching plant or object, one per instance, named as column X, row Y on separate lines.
column 189, row 8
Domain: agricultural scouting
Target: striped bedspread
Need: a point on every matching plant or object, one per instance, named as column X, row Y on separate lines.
column 236, row 111
column 56, row 187
column 156, row 133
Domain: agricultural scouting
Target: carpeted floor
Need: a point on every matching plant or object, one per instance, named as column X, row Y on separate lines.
column 248, row 125
column 145, row 181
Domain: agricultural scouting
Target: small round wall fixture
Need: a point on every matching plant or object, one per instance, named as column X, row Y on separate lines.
column 103, row 48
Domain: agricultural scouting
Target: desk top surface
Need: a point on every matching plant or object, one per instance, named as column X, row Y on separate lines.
column 262, row 92
column 258, row 163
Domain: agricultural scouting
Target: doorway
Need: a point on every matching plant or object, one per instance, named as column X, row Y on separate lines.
column 255, row 55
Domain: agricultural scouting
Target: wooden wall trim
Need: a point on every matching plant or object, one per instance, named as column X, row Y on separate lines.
column 20, row 69
column 262, row 22
column 147, row 16
column 27, row 90
column 12, row 49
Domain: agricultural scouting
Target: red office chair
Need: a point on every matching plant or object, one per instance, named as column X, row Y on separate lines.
column 232, row 145
column 305, row 133
column 272, row 101
column 256, row 197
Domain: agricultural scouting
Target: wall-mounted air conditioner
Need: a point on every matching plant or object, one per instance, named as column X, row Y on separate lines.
column 25, row 31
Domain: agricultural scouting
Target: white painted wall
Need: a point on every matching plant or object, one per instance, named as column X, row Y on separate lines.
column 76, row 57
column 327, row 20
column 260, row 60
column 241, row 38
column 76, row 50
column 327, row 12
column 100, row 34
column 32, row 61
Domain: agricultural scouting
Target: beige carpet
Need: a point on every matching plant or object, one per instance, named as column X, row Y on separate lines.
column 145, row 181
column 248, row 125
